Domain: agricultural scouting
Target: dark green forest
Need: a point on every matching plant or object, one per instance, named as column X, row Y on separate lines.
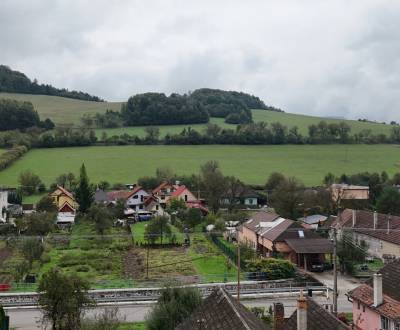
column 17, row 82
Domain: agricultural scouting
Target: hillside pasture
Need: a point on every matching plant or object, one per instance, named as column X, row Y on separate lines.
column 69, row 111
column 303, row 121
column 252, row 164
column 62, row 110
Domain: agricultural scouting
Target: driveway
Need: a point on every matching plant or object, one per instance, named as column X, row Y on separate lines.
column 345, row 283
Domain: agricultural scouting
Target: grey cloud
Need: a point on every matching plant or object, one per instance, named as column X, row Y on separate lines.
column 332, row 58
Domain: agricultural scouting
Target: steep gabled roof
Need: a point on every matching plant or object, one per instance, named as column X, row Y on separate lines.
column 63, row 191
column 223, row 312
column 162, row 185
column 134, row 191
column 317, row 319
column 390, row 288
column 178, row 191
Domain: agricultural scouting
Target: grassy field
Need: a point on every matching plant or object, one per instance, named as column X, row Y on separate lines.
column 303, row 121
column 64, row 110
column 60, row 109
column 252, row 164
column 138, row 234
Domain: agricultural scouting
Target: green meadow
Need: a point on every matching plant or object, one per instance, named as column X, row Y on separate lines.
column 62, row 110
column 69, row 111
column 252, row 164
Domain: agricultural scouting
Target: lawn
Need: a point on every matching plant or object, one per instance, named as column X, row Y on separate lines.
column 138, row 233
column 60, row 109
column 132, row 326
column 252, row 164
column 212, row 265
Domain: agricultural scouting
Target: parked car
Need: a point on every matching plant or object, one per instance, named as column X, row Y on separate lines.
column 317, row 267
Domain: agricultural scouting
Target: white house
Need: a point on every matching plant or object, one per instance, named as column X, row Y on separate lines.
column 136, row 198
column 3, row 205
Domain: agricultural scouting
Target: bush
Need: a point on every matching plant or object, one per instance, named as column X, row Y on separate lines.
column 45, row 258
column 271, row 269
column 10, row 156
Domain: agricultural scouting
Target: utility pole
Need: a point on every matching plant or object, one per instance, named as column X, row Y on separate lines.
column 147, row 261
column 238, row 273
column 335, row 291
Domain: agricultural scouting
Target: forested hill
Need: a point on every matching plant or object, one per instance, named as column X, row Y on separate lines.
column 17, row 82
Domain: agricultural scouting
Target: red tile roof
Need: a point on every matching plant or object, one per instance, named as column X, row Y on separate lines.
column 118, row 194
column 390, row 288
column 179, row 190
column 365, row 225
column 365, row 294
column 135, row 190
column 160, row 186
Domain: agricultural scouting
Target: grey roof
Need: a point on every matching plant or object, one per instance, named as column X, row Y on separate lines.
column 317, row 319
column 313, row 219
column 100, row 196
column 220, row 311
column 310, row 245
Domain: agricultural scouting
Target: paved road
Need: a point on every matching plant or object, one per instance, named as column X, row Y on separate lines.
column 29, row 319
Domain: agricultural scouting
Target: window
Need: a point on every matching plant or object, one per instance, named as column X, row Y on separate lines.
column 363, row 308
column 358, row 305
column 384, row 323
column 397, row 326
column 135, row 197
column 186, row 198
column 141, row 198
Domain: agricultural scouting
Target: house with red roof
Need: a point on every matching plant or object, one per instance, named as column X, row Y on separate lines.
column 376, row 303
column 381, row 232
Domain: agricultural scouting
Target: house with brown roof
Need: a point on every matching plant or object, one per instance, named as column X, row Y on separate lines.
column 376, row 303
column 223, row 312
column 308, row 315
column 271, row 235
column 380, row 231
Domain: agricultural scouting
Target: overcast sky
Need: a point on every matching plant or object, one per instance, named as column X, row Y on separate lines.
column 322, row 57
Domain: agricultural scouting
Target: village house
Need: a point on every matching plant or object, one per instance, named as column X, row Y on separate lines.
column 66, row 205
column 222, row 311
column 163, row 191
column 271, row 235
column 343, row 191
column 244, row 196
column 314, row 221
column 376, row 303
column 381, row 232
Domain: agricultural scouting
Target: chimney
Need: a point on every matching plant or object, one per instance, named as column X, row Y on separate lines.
column 301, row 312
column 279, row 316
column 354, row 217
column 375, row 219
column 378, row 296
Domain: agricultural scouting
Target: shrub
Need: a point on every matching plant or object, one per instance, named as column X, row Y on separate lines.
column 271, row 269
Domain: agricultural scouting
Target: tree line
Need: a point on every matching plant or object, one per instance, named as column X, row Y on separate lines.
column 195, row 107
column 20, row 115
column 17, row 82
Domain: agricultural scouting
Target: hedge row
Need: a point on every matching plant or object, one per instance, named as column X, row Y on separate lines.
column 7, row 158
